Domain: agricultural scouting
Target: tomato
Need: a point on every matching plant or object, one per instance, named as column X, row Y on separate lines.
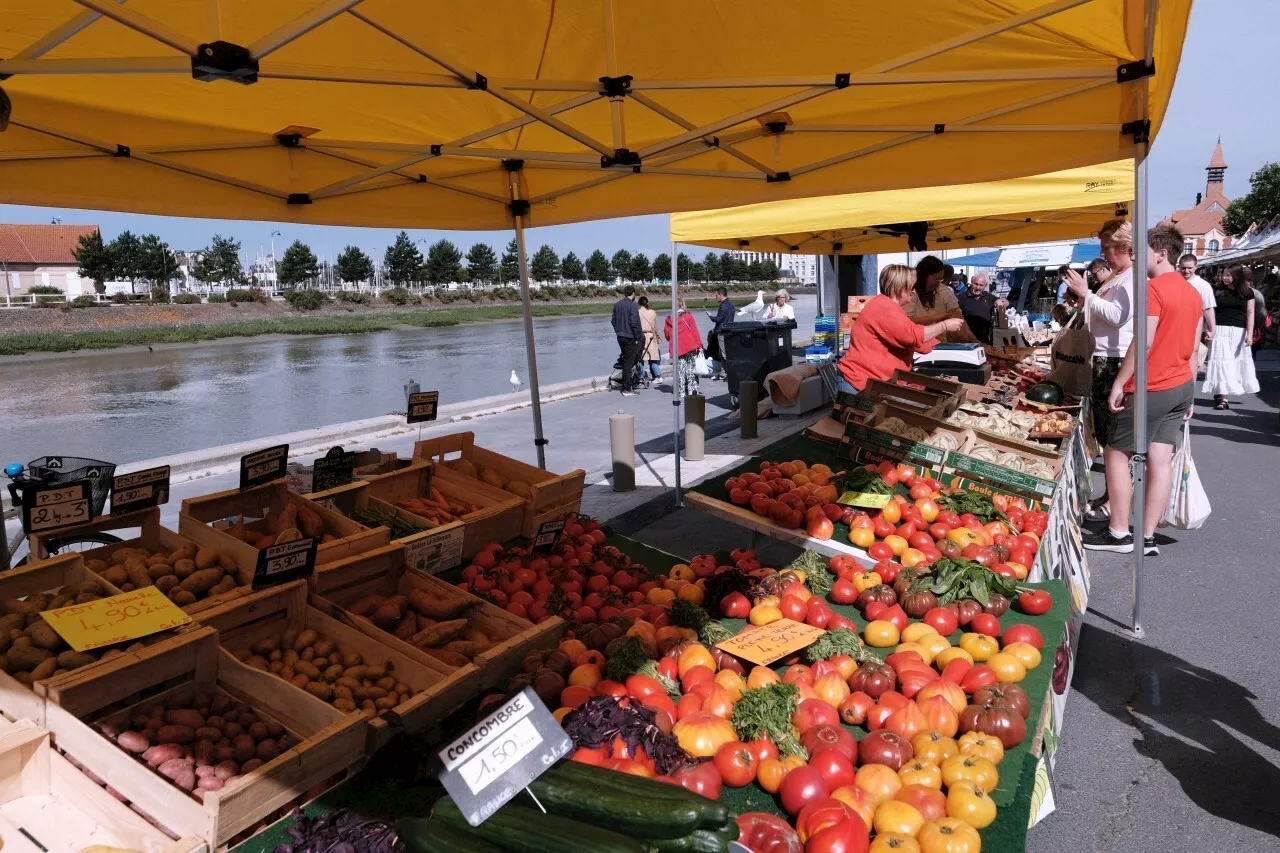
column 897, row 616
column 762, row 748
column 920, row 539
column 969, row 768
column 1007, row 666
column 970, row 803
column 842, row 563
column 942, row 620
column 587, row 755
column 981, row 745
column 1028, row 654
column 849, row 836
column 928, row 508
column 833, row 766
column 918, row 772
column 735, row 605
column 854, row 709
column 979, row 646
column 814, row 712
column 831, row 737
column 887, row 570
column 927, row 800
column 820, row 814
column 862, row 537
column 765, row 833
column 1035, row 602
column 885, row 747
column 985, row 623
column 843, row 592
column 977, row 677
column 817, row 614
column 703, row 779
column 802, row 786
column 949, row 835
column 771, row 772
column 879, row 551
column 907, row 721
column 736, row 763
column 893, row 842
column 897, row 816
column 878, row 782
column 1022, row 633
column 891, row 512
column 702, row 734
column 933, row 747
column 1003, row 722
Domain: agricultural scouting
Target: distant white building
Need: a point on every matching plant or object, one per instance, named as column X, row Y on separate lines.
column 801, row 269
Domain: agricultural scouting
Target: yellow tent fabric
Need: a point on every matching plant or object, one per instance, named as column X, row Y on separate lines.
column 410, row 114
column 1058, row 206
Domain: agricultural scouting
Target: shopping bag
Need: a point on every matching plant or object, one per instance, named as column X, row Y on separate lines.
column 1188, row 504
column 1071, row 361
column 701, row 366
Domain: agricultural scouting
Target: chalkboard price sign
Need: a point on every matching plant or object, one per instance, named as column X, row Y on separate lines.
column 51, row 507
column 285, row 562
column 139, row 490
column 332, row 470
column 548, row 535
column 263, row 466
column 422, row 406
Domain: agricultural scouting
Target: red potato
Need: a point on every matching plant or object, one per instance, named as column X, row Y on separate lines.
column 134, row 742
column 175, row 734
column 157, row 755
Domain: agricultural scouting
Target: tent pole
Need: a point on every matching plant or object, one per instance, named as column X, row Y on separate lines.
column 677, row 393
column 531, row 355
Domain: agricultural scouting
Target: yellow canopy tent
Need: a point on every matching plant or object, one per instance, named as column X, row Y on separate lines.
column 1041, row 208
column 510, row 113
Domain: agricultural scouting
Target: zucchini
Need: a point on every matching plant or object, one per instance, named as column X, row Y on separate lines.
column 421, row 835
column 622, row 811
column 698, row 841
column 714, row 814
column 524, row 830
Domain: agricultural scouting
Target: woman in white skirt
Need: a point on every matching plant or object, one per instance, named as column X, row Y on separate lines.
column 1229, row 371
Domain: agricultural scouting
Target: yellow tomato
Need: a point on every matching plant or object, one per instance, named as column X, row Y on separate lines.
column 692, row 593
column 763, row 614
column 861, row 537
column 928, row 509
column 893, row 842
column 921, row 772
column 879, row 634
column 681, row 572
column 916, row 630
column 934, row 748
column 878, row 782
column 950, row 835
column 769, row 600
column 660, row 597
column 911, row 558
column 962, row 536
column 1025, row 652
column 979, row 646
column 1008, row 667
column 946, row 656
column 913, row 647
column 897, row 816
column 936, row 644
column 761, row 676
column 979, row 745
column 971, row 804
column 1019, row 570
column 866, row 580
column 969, row 768
column 891, row 512
column 896, row 544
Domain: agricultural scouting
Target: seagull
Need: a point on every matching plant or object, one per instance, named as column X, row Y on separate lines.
column 755, row 307
column 515, row 381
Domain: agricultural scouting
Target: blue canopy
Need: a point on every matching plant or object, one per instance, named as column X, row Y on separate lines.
column 1082, row 252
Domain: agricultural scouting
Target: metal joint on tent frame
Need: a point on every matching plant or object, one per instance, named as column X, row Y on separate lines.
column 289, row 140
column 122, row 151
column 1140, row 129
column 299, row 198
column 512, row 164
column 1136, row 70
column 616, row 87
column 542, row 442
column 742, row 244
column 1121, row 211
column 939, row 128
column 222, row 60
column 520, row 207
column 779, row 178
column 620, row 157
column 437, row 150
column 835, row 247
column 481, row 82
column 943, row 240
column 842, row 80
column 971, row 236
column 776, row 127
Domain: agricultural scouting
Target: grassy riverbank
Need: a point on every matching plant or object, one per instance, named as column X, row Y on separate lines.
column 21, row 343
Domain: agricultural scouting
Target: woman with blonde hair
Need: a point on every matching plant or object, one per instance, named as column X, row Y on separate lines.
column 884, row 338
column 1109, row 316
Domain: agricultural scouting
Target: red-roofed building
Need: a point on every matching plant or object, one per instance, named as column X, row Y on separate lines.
column 1202, row 224
column 33, row 255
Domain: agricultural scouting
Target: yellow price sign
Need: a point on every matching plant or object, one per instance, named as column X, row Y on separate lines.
column 117, row 619
column 765, row 644
column 870, row 500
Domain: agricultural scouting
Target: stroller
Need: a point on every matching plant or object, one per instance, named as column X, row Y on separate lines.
column 642, row 378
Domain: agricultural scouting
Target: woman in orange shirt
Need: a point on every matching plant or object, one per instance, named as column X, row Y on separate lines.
column 884, row 338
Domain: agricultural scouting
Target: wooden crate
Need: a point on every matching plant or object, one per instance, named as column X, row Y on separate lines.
column 330, row 743
column 199, row 514
column 953, row 390
column 551, row 496
column 382, row 572
column 440, row 689
column 867, row 437
column 48, row 806
column 499, row 519
column 146, row 519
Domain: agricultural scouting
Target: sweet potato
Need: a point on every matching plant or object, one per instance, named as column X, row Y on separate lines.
column 368, row 605
column 439, row 634
column 172, row 768
column 466, row 648
column 184, row 717
column 310, row 522
column 447, row 657
column 200, row 582
column 407, row 628
column 390, row 612
column 175, row 734
column 438, row 609
column 288, row 517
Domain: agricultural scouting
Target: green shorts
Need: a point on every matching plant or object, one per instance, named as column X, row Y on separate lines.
column 1165, row 412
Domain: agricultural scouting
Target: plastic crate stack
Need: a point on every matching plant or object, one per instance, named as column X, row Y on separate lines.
column 824, row 339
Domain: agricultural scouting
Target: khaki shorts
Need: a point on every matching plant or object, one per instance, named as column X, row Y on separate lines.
column 1166, row 411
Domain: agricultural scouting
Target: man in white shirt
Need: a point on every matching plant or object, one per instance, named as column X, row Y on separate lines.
column 1187, row 266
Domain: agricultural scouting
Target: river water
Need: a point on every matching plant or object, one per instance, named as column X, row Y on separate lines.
column 127, row 406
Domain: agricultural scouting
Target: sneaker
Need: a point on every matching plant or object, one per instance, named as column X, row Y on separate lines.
column 1105, row 540
column 1150, row 548
column 637, row 394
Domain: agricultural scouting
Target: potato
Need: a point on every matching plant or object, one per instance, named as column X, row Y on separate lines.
column 308, row 653
column 341, row 691
column 160, row 570
column 305, row 639
column 187, row 779
column 166, row 583
column 352, row 660
column 199, row 583
column 300, row 681
column 182, row 597
column 320, row 690
column 173, row 767
column 320, row 663
column 184, row 568
column 25, row 657
column 115, row 575
column 244, row 748
column 135, row 742
column 208, row 733
column 324, row 647
column 210, row 783
column 286, row 672
column 137, row 572
column 258, row 731
column 333, row 673
column 266, row 646
column 206, row 558
column 45, row 669
column 289, row 639
column 185, row 551
column 224, row 586
column 386, row 702
column 344, row 704
column 357, row 673
column 62, row 599
column 206, row 753
column 268, row 750
column 225, row 770
column 257, row 662
column 75, row 660
column 184, row 717
column 96, row 566
column 32, row 604
column 12, row 622
column 251, row 765
column 175, row 734
column 386, row 683
column 306, row 668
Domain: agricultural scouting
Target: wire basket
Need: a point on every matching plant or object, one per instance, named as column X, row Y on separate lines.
column 53, row 470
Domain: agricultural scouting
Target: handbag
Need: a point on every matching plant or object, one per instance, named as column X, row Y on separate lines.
column 1071, row 359
column 1188, row 504
column 701, row 367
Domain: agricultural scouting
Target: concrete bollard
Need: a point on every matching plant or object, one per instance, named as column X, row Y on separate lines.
column 748, row 396
column 622, row 441
column 695, row 427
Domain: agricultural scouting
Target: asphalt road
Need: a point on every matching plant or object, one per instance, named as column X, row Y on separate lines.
column 1172, row 742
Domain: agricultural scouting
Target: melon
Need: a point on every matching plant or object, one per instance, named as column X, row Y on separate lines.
column 493, row 478
column 464, row 467
column 519, row 487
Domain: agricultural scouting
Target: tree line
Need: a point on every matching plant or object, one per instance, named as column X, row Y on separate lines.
column 127, row 257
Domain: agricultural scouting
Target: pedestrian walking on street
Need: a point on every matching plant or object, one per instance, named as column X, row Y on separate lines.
column 1174, row 321
column 626, row 325
column 1187, row 266
column 1230, row 371
column 652, row 351
column 724, row 314
column 684, row 351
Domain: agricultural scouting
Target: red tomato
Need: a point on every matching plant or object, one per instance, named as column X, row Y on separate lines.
column 920, row 540
column 943, row 621
column 985, row 623
column 802, row 786
column 977, row 677
column 1004, row 569
column 875, row 610
column 763, row 748
column 938, row 530
column 766, row 833
column 736, row 763
column 1021, row 633
column 702, row 779
column 887, row 570
column 814, row 712
column 907, row 529
column 882, row 528
column 1035, row 603
column 821, row 815
column 879, row 550
column 792, row 607
column 843, row 592
column 735, row 605
column 920, row 490
column 817, row 614
column 819, row 738
column 834, row 766
column 843, row 563
column 669, row 668
column 897, row 616
column 836, row 621
column 949, row 518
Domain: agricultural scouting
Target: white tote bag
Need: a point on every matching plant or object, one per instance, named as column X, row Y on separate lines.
column 1188, row 504
column 701, row 366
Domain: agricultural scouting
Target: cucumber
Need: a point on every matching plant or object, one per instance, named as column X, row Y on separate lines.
column 714, row 814
column 421, row 835
column 698, row 841
column 622, row 811
column 524, row 830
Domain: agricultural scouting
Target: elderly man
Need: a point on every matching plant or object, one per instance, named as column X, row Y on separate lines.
column 978, row 305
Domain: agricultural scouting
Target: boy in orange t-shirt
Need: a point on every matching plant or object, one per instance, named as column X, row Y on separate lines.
column 1174, row 321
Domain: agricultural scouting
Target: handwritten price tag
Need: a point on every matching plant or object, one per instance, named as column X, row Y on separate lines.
column 870, row 500
column 422, row 406
column 263, row 466
column 51, row 507
column 140, row 490
column 117, row 619
column 767, row 643
column 285, row 562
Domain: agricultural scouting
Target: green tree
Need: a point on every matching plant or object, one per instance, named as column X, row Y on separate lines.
column 464, row 275
column 126, row 253
column 545, row 265
column 769, row 271
column 731, row 269
column 620, row 266
column 402, row 260
column 94, row 258
column 298, row 265
column 443, row 263
column 220, row 263
column 711, row 267
column 697, row 272
column 684, row 267
column 640, row 269
column 510, row 270
column 571, row 268
column 1260, row 205
column 354, row 265
column 662, row 268
column 482, row 263
column 158, row 265
column 597, row 266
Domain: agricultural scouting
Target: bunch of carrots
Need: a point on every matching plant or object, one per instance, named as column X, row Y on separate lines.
column 437, row 508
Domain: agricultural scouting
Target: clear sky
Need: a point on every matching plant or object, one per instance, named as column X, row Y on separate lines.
column 1225, row 86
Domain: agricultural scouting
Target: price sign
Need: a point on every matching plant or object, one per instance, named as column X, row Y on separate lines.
column 422, row 406
column 263, row 466
column 498, row 758
column 51, row 507
column 332, row 470
column 435, row 551
column 285, row 562
column 871, row 500
column 548, row 535
column 116, row 619
column 767, row 643
column 140, row 490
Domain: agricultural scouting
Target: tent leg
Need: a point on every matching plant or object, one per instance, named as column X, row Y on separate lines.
column 530, row 351
column 676, row 386
column 1140, row 437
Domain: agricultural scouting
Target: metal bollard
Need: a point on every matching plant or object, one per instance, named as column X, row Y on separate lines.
column 622, row 441
column 695, row 427
column 748, row 396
